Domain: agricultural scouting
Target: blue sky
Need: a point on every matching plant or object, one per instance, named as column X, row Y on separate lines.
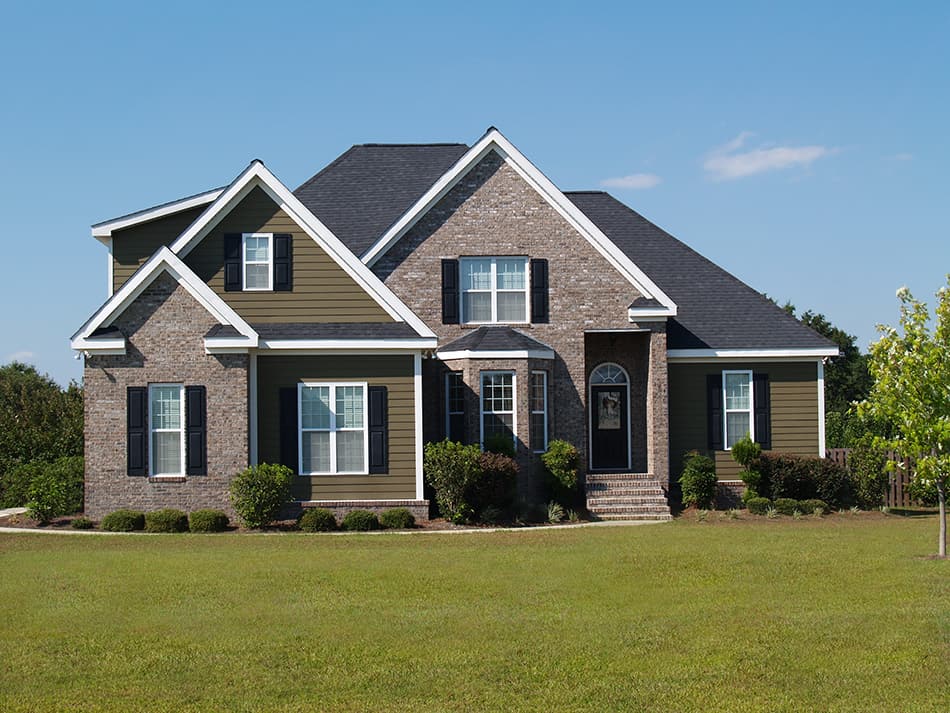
column 802, row 147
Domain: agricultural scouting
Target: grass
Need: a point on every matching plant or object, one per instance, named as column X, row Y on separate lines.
column 840, row 614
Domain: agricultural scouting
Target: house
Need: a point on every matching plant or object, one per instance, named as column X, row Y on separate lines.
column 408, row 293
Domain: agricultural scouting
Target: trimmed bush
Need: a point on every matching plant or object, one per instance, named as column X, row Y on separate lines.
column 166, row 520
column 51, row 489
column 495, row 485
column 360, row 521
column 758, row 506
column 500, row 444
column 868, row 469
column 809, row 506
column 450, row 469
column 259, row 493
column 397, row 519
column 698, row 480
column 208, row 521
column 48, row 497
column 560, row 462
column 787, row 506
column 317, row 520
column 123, row 520
column 81, row 523
column 789, row 476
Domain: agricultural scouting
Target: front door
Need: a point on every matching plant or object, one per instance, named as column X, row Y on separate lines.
column 610, row 432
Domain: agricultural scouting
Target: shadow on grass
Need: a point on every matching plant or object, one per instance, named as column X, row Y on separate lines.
column 913, row 512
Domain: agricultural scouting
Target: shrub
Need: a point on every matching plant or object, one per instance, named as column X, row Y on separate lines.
column 501, row 444
column 801, row 478
column 317, row 520
column 560, row 461
column 208, row 521
column 753, row 484
column 15, row 483
column 698, row 480
column 123, row 521
column 259, row 492
column 832, row 482
column 360, row 521
column 814, row 505
column 555, row 512
column 745, row 451
column 49, row 497
column 869, row 478
column 491, row 515
column 81, row 523
column 495, row 485
column 397, row 519
column 787, row 506
column 758, row 506
column 166, row 520
column 450, row 468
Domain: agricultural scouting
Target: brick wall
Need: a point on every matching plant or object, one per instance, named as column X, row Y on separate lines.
column 165, row 328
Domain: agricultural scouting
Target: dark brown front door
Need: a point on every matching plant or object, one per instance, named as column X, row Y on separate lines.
column 610, row 432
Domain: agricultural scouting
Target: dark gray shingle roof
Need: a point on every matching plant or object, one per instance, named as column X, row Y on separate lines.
column 318, row 330
column 494, row 339
column 370, row 186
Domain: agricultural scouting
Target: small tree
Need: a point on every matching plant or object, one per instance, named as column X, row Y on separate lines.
column 911, row 392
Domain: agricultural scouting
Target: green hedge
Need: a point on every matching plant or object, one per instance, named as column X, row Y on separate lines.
column 397, row 519
column 259, row 493
column 208, row 521
column 317, row 520
column 166, row 520
column 360, row 521
column 123, row 520
column 758, row 506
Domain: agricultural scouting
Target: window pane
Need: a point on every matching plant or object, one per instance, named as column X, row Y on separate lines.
column 498, row 424
column 497, row 392
column 256, row 249
column 737, row 391
column 315, row 407
column 737, row 426
column 476, row 274
column 256, row 276
column 166, row 453
column 536, row 392
column 511, row 307
column 455, row 393
column 537, row 432
column 510, row 274
column 476, row 307
column 316, row 451
column 349, row 407
column 349, row 451
column 166, row 407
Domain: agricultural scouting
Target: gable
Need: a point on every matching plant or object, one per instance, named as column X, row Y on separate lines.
column 322, row 290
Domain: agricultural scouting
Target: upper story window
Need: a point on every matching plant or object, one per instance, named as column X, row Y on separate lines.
column 258, row 261
column 738, row 406
column 494, row 289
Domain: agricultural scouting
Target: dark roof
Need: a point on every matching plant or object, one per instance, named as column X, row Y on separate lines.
column 494, row 339
column 715, row 310
column 110, row 332
column 222, row 331
column 319, row 330
column 367, row 189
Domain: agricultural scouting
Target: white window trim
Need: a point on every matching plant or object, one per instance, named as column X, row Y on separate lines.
column 333, row 430
column 494, row 290
column 544, row 411
column 448, row 409
column 514, row 405
column 726, row 411
column 152, row 430
column 269, row 262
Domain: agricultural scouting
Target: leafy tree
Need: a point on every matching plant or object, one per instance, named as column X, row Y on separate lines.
column 911, row 392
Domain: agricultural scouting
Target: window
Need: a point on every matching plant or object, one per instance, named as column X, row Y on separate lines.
column 332, row 429
column 538, row 399
column 494, row 289
column 498, row 405
column 166, row 429
column 258, row 259
column 454, row 406
column 737, row 405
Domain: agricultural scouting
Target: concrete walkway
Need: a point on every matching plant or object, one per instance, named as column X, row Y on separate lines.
column 12, row 511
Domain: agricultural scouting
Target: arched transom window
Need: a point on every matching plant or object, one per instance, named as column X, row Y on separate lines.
column 608, row 374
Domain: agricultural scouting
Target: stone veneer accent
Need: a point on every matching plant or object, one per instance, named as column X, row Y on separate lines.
column 492, row 211
column 165, row 327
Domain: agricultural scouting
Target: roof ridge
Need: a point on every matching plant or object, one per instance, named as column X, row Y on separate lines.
column 585, row 192
column 406, row 145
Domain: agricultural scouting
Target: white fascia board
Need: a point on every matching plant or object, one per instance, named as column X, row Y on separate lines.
column 705, row 355
column 651, row 314
column 165, row 260
column 349, row 344
column 495, row 141
column 479, row 354
column 104, row 229
column 100, row 346
column 257, row 174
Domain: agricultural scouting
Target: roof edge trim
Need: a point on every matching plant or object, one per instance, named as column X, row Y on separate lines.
column 106, row 227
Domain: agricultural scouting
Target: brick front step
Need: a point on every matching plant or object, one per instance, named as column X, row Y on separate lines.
column 597, row 489
column 626, row 496
column 619, row 500
column 636, row 516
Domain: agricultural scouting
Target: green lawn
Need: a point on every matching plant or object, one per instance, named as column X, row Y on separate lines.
column 842, row 614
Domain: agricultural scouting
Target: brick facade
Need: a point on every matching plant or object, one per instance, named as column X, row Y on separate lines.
column 165, row 327
column 492, row 211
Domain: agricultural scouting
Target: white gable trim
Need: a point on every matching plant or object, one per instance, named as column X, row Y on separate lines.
column 495, row 141
column 708, row 355
column 258, row 175
column 164, row 260
column 104, row 229
column 496, row 354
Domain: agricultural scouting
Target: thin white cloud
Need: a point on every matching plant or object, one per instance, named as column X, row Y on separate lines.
column 727, row 162
column 635, row 181
column 23, row 356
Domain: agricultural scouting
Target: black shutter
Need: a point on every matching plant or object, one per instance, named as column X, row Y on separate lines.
column 450, row 292
column 378, row 430
column 196, row 431
column 232, row 262
column 714, row 411
column 762, row 403
column 136, row 429
column 539, row 291
column 283, row 262
column 288, row 428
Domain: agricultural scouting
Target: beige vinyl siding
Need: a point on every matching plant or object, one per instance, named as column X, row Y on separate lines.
column 131, row 247
column 794, row 396
column 393, row 372
column 322, row 290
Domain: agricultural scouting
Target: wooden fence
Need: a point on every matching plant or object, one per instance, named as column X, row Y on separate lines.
column 897, row 495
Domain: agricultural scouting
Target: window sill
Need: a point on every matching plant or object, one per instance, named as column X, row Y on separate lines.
column 167, row 479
